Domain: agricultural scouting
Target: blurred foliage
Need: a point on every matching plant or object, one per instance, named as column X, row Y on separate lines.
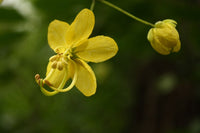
column 138, row 90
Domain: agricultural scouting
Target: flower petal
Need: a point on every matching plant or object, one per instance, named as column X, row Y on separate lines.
column 177, row 47
column 81, row 28
column 56, row 35
column 97, row 49
column 156, row 44
column 86, row 80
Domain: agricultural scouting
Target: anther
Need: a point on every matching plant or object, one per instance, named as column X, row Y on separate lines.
column 53, row 58
column 64, row 61
column 60, row 65
column 54, row 65
column 37, row 77
column 57, row 50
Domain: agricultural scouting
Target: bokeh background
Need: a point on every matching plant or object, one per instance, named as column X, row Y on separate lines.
column 139, row 91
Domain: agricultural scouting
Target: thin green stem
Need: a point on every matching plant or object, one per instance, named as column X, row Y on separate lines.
column 92, row 5
column 125, row 12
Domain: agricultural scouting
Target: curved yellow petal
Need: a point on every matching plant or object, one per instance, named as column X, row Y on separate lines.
column 97, row 49
column 56, row 35
column 177, row 47
column 86, row 80
column 81, row 28
column 171, row 22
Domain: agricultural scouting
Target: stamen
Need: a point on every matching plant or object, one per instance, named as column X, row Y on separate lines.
column 37, row 78
column 53, row 58
column 60, row 65
column 47, row 82
column 50, row 73
column 66, row 52
column 71, row 85
column 59, row 89
column 54, row 65
column 64, row 61
column 57, row 50
column 46, row 92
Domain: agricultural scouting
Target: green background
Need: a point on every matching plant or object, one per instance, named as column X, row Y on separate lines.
column 138, row 90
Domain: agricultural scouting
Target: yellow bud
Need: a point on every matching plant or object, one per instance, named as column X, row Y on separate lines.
column 164, row 37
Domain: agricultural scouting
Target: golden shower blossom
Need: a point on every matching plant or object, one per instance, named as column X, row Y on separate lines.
column 73, row 50
column 164, row 37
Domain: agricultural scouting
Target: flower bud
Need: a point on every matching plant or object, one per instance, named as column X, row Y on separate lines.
column 164, row 37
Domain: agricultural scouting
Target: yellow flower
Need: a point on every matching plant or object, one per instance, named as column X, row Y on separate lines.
column 164, row 37
column 74, row 50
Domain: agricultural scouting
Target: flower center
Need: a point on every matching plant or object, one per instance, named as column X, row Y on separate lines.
column 58, row 61
column 68, row 53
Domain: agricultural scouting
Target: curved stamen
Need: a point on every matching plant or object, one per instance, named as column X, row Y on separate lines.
column 72, row 83
column 44, row 91
column 62, row 84
column 64, row 61
column 59, row 89
column 66, row 51
column 53, row 58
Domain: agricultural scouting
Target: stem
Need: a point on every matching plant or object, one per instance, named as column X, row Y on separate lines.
column 126, row 13
column 92, row 5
